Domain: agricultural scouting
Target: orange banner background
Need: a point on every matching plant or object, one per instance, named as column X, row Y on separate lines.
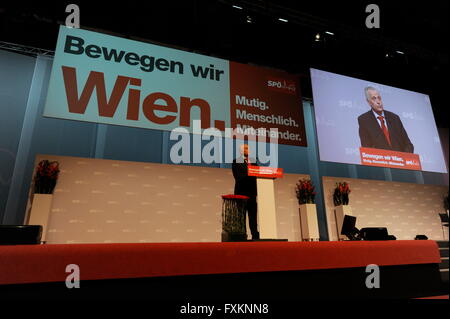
column 263, row 171
column 391, row 159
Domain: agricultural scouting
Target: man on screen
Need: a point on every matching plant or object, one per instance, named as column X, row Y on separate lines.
column 382, row 129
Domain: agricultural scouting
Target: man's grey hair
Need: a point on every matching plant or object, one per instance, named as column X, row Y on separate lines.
column 366, row 91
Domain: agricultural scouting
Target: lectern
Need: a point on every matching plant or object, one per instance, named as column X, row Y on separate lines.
column 267, row 220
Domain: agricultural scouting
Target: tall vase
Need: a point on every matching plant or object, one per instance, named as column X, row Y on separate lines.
column 308, row 222
column 339, row 213
column 40, row 212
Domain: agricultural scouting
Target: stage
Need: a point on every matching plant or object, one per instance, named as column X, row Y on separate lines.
column 214, row 271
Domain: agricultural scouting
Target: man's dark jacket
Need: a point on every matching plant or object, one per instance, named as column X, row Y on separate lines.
column 372, row 135
column 245, row 185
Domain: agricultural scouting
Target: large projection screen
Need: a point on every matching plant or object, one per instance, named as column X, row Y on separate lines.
column 350, row 130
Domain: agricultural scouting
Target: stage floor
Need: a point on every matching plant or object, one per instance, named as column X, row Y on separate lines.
column 219, row 267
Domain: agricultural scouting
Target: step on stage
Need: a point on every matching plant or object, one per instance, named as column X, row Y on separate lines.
column 223, row 271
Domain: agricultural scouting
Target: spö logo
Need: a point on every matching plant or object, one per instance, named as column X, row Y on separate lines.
column 280, row 85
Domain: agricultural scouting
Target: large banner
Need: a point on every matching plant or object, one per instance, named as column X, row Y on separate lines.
column 105, row 79
column 366, row 123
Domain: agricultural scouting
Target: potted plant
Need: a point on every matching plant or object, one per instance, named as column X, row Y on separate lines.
column 46, row 176
column 44, row 184
column 341, row 200
column 340, row 195
column 306, row 194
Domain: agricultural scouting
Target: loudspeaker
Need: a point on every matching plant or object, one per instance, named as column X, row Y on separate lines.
column 349, row 229
column 20, row 234
column 226, row 237
column 374, row 233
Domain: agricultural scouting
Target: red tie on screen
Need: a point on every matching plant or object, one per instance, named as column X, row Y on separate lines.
column 385, row 130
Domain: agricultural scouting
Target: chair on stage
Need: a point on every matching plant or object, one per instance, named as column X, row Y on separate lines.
column 444, row 222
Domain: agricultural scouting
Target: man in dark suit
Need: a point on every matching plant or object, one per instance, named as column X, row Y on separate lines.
column 246, row 185
column 382, row 129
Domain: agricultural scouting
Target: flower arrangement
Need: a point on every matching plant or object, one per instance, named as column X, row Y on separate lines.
column 46, row 175
column 305, row 192
column 341, row 192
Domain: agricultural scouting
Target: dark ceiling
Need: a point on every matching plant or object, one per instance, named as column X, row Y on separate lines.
column 215, row 27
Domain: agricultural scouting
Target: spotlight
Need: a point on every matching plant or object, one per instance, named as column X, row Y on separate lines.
column 237, row 7
column 317, row 38
column 329, row 33
column 249, row 19
column 283, row 20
